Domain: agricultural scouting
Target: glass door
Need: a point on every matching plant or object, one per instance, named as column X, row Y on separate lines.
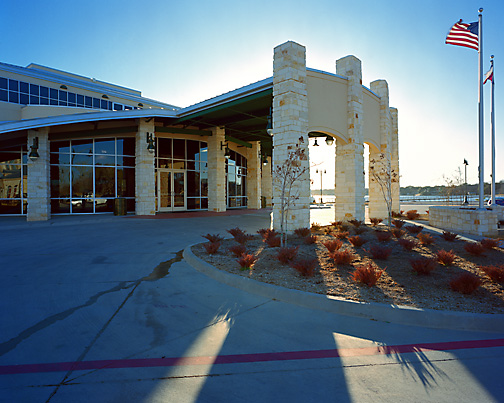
column 171, row 190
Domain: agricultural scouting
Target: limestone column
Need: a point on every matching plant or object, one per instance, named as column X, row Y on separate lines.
column 394, row 160
column 377, row 204
column 217, row 170
column 145, row 192
column 38, row 183
column 254, row 175
column 267, row 182
column 349, row 164
column 290, row 127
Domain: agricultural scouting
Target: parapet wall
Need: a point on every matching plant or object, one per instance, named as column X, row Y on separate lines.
column 466, row 220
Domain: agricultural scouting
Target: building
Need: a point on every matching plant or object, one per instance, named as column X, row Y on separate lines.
column 73, row 145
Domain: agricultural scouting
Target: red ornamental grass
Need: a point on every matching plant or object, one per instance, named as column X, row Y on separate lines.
column 213, row 237
column 444, row 257
column 360, row 230
column 333, row 245
column 273, row 241
column 465, row 283
column 336, row 223
column 423, row 265
column 267, row 233
column 379, row 252
column 489, row 243
column 407, row 244
column 310, row 239
column 238, row 250
column 383, row 236
column 412, row 215
column 357, row 241
column 413, row 229
column 398, row 223
column 342, row 234
column 247, row 261
column 235, row 231
column 425, row 239
column 449, row 236
column 305, row 267
column 367, row 275
column 302, row 232
column 212, row 247
column 398, row 233
column 356, row 223
column 344, row 257
column 315, row 226
column 375, row 221
column 475, row 249
column 287, row 254
column 242, row 239
column 496, row 273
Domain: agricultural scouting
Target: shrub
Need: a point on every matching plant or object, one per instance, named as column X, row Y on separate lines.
column 449, row 236
column 375, row 221
column 407, row 244
column 336, row 223
column 267, row 233
column 425, row 239
column 238, row 250
column 465, row 283
column 413, row 229
column 396, row 214
column 213, row 237
column 356, row 223
column 247, row 261
column 379, row 252
column 342, row 234
column 357, row 241
column 235, row 231
column 496, row 273
column 273, row 241
column 360, row 230
column 332, row 245
column 398, row 223
column 315, row 226
column 212, row 247
column 398, row 233
column 367, row 275
column 342, row 257
column 444, row 257
column 309, row 240
column 287, row 254
column 242, row 239
column 302, row 232
column 475, row 249
column 488, row 243
column 306, row 267
column 383, row 236
column 412, row 215
column 423, row 265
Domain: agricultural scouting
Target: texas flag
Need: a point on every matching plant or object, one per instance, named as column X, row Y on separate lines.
column 489, row 75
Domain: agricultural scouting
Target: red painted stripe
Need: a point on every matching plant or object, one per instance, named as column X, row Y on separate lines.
column 248, row 358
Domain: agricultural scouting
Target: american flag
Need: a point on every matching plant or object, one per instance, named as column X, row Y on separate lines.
column 463, row 34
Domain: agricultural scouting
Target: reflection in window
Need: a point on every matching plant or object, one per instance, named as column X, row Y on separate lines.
column 13, row 180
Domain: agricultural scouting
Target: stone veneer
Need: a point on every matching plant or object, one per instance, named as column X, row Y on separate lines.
column 394, row 160
column 38, row 185
column 217, row 170
column 466, row 220
column 290, row 127
column 267, row 182
column 254, row 175
column 145, row 192
column 349, row 162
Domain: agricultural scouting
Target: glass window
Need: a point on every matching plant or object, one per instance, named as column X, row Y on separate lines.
column 105, row 146
column 81, row 159
column 4, row 83
column 34, row 100
column 104, row 182
column 125, row 161
column 104, row 104
column 71, row 99
column 96, row 103
column 60, row 146
column 60, row 206
column 164, row 148
column 82, row 181
column 63, row 96
column 24, row 87
column 60, row 181
column 60, row 158
column 34, row 89
column 193, row 183
column 88, row 102
column 179, row 151
column 44, row 101
column 80, row 100
column 105, row 160
column 53, row 94
column 126, row 146
column 44, row 92
column 82, row 146
column 13, row 97
column 193, row 150
column 4, row 95
column 13, row 85
column 24, row 99
column 126, row 182
column 118, row 107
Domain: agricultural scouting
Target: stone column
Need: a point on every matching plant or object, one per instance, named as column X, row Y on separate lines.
column 38, row 183
column 267, row 183
column 145, row 192
column 254, row 175
column 290, row 127
column 349, row 164
column 377, row 204
column 394, row 161
column 217, row 170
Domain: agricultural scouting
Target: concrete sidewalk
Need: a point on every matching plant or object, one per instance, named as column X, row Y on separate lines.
column 103, row 309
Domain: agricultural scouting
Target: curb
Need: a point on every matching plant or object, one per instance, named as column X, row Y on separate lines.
column 374, row 311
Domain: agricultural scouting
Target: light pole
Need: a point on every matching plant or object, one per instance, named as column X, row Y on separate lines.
column 320, row 183
column 466, row 202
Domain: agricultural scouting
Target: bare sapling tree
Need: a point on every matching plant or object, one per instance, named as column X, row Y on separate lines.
column 382, row 173
column 285, row 177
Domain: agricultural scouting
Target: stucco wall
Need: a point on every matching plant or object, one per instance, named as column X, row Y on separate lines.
column 371, row 119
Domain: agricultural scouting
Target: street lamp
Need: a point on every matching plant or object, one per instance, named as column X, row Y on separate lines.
column 466, row 202
column 317, row 171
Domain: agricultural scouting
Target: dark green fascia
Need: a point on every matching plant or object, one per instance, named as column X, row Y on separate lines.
column 174, row 130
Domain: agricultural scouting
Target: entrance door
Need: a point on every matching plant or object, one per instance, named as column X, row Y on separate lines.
column 171, row 190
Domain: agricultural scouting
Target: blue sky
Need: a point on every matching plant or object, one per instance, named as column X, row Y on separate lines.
column 182, row 52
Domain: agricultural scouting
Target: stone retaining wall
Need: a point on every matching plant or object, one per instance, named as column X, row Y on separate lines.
column 466, row 220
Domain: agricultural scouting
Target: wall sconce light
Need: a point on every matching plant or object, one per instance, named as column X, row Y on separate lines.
column 34, row 155
column 265, row 160
column 269, row 126
column 315, row 144
column 63, row 87
column 150, row 141
column 329, row 140
column 105, row 96
column 227, row 152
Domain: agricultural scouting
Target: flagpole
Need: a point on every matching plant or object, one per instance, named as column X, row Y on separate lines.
column 480, row 110
column 492, row 127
